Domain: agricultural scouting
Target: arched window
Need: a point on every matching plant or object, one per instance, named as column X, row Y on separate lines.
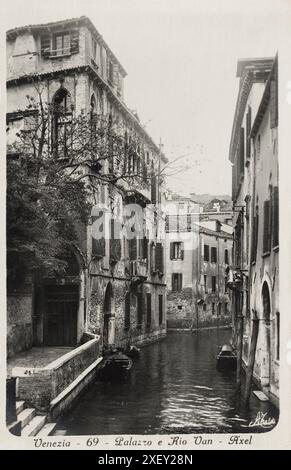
column 61, row 123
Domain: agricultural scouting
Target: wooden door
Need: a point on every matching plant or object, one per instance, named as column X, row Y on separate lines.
column 62, row 304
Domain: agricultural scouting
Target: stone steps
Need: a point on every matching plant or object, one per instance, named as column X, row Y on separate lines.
column 26, row 416
column 32, row 424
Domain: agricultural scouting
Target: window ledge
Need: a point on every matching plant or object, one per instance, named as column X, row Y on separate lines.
column 60, row 56
column 266, row 254
column 276, row 248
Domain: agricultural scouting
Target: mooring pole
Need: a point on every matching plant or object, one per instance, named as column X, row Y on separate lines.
column 239, row 348
column 252, row 355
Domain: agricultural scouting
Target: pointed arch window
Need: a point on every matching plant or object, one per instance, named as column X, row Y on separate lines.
column 62, row 123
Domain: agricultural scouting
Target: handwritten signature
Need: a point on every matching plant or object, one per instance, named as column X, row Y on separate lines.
column 262, row 420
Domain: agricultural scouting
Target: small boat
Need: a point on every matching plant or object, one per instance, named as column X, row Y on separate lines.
column 132, row 352
column 116, row 366
column 226, row 358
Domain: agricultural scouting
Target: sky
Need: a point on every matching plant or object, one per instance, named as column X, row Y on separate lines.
column 181, row 57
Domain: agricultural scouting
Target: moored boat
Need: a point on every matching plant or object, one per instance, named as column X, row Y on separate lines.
column 116, row 366
column 226, row 358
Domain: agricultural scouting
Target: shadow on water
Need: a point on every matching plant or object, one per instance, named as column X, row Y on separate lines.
column 173, row 387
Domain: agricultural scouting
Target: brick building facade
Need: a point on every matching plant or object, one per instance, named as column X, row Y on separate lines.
column 116, row 289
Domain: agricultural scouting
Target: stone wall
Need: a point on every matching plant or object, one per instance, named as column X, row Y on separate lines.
column 19, row 321
column 39, row 386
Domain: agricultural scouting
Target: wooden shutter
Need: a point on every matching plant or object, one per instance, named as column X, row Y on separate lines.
column 174, row 282
column 75, row 41
column 275, row 209
column 206, row 253
column 132, row 249
column 159, row 257
column 152, row 257
column 248, row 133
column 145, row 244
column 242, row 151
column 154, row 189
column 171, row 250
column 149, row 310
column 266, row 234
column 182, row 250
column 45, row 46
column 140, row 309
column 127, row 311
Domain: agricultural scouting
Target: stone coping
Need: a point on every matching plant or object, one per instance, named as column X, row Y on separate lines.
column 57, row 363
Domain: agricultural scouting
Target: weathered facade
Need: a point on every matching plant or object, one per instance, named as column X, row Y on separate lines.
column 255, row 275
column 114, row 289
column 197, row 254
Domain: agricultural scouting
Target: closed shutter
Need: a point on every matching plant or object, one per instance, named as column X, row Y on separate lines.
column 182, row 250
column 145, row 244
column 154, row 189
column 132, row 249
column 127, row 311
column 266, row 234
column 242, row 151
column 140, row 309
column 45, row 46
column 152, row 257
column 159, row 257
column 172, row 250
column 167, row 224
column 149, row 310
column 275, row 216
column 206, row 253
column 248, row 133
column 174, row 282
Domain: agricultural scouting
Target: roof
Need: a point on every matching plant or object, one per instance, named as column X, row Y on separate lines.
column 265, row 98
column 73, row 22
column 249, row 71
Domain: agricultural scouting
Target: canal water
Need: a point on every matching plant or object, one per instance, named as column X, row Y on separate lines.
column 174, row 387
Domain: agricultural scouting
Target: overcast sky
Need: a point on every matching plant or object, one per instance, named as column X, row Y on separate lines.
column 180, row 56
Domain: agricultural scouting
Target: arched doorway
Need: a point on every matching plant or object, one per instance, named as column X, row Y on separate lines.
column 109, row 319
column 61, row 123
column 267, row 333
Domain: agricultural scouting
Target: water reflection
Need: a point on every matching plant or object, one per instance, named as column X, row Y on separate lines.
column 174, row 388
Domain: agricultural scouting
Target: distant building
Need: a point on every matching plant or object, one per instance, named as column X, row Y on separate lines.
column 255, row 275
column 197, row 254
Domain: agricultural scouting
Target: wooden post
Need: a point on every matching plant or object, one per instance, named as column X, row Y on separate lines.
column 251, row 360
column 239, row 349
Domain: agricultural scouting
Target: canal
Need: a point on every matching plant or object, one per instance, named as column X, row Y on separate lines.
column 174, row 387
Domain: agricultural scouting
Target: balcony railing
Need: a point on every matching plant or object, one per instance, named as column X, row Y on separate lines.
column 138, row 268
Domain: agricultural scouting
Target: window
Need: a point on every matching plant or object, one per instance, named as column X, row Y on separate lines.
column 213, row 308
column 177, row 281
column 206, row 253
column 226, row 259
column 159, row 257
column 61, row 123
column 61, row 44
column 160, row 309
column 213, row 279
column 219, row 309
column 225, row 308
column 149, row 310
column 205, row 283
column 127, row 311
column 213, row 255
column 204, row 307
column 267, row 228
column 176, row 250
column 140, row 309
column 94, row 49
column 275, row 211
column 255, row 227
